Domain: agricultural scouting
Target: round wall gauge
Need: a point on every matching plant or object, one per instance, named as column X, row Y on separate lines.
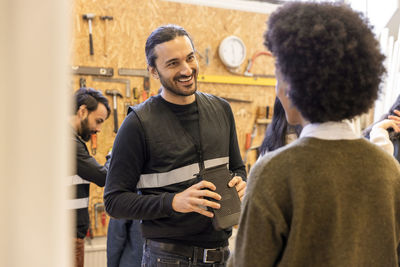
column 232, row 51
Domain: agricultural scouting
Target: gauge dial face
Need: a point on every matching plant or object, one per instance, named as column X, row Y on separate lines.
column 232, row 51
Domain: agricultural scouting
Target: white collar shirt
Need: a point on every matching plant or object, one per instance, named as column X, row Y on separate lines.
column 330, row 131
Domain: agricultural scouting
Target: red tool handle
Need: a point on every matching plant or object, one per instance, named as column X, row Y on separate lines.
column 93, row 141
column 103, row 218
column 248, row 141
column 144, row 95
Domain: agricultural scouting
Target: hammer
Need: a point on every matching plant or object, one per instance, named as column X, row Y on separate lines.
column 114, row 93
column 89, row 17
column 105, row 18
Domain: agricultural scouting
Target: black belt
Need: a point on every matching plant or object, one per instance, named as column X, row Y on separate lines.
column 197, row 254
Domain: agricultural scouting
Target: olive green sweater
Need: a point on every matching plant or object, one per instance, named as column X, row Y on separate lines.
column 321, row 203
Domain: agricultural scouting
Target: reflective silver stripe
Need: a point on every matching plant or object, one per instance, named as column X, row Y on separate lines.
column 79, row 203
column 76, row 179
column 154, row 180
column 215, row 162
column 166, row 178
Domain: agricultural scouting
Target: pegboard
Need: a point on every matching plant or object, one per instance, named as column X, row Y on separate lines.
column 125, row 38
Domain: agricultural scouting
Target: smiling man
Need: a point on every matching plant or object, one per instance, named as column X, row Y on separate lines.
column 161, row 146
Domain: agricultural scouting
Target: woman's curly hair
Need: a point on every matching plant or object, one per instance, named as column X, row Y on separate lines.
column 330, row 58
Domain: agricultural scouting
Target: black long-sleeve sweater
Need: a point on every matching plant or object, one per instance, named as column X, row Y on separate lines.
column 90, row 170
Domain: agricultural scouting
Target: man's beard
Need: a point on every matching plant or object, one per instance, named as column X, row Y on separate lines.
column 176, row 90
column 85, row 132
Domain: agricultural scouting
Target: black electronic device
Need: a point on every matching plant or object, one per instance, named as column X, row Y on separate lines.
column 229, row 213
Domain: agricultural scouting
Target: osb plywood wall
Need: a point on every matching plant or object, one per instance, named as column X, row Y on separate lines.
column 120, row 44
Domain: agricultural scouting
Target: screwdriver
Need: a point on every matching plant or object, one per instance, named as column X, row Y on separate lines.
column 93, row 141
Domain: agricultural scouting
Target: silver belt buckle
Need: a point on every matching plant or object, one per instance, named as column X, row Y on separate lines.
column 205, row 253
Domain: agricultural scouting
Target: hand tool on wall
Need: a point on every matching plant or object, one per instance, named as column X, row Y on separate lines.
column 89, row 17
column 133, row 72
column 98, row 208
column 205, row 56
column 135, row 95
column 141, row 73
column 93, row 143
column 231, row 99
column 114, row 93
column 82, row 82
column 105, row 19
column 103, row 218
column 144, row 95
column 89, row 235
column 127, row 83
column 251, row 62
column 249, row 141
column 82, row 70
column 146, row 86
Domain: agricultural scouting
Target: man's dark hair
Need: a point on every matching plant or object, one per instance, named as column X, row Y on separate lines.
column 330, row 58
column 275, row 135
column 91, row 98
column 161, row 35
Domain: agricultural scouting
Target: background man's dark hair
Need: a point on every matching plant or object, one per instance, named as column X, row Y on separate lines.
column 161, row 35
column 277, row 131
column 329, row 56
column 91, row 98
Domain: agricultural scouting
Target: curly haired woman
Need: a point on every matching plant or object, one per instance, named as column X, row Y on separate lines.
column 330, row 198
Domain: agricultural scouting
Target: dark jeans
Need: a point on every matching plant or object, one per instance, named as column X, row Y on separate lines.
column 124, row 243
column 156, row 258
